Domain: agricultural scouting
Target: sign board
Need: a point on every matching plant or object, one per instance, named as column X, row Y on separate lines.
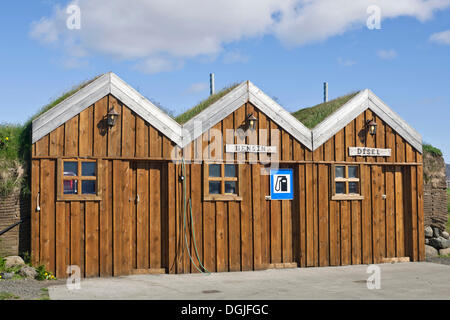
column 368, row 152
column 237, row 148
column 281, row 184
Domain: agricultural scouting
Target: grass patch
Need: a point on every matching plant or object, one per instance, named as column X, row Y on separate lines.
column 44, row 294
column 448, row 210
column 312, row 116
column 432, row 150
column 8, row 296
column 202, row 105
column 15, row 147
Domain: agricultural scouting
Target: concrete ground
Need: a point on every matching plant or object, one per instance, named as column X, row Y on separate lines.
column 419, row 280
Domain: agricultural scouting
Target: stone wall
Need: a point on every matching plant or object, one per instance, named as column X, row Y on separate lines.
column 435, row 197
column 13, row 208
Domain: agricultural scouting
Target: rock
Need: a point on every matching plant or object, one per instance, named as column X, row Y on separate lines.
column 436, row 232
column 428, row 232
column 439, row 243
column 12, row 261
column 427, row 241
column 444, row 252
column 7, row 275
column 445, row 235
column 430, row 252
column 28, row 272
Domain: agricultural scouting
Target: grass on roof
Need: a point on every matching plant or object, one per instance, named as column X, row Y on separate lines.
column 64, row 96
column 15, row 146
column 312, row 116
column 202, row 105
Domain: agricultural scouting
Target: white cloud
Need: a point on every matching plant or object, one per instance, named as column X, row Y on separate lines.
column 312, row 21
column 141, row 30
column 346, row 62
column 235, row 57
column 387, row 54
column 45, row 31
column 157, row 64
column 197, row 87
column 441, row 37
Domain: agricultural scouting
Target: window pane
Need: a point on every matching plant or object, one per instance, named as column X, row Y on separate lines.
column 214, row 187
column 230, row 170
column 70, row 168
column 214, row 170
column 88, row 169
column 340, row 187
column 353, row 172
column 70, row 186
column 230, row 187
column 88, row 187
column 339, row 171
column 353, row 187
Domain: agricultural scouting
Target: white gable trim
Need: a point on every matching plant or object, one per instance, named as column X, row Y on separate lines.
column 364, row 100
column 279, row 115
column 395, row 121
column 70, row 107
column 144, row 108
column 107, row 84
column 215, row 113
column 246, row 91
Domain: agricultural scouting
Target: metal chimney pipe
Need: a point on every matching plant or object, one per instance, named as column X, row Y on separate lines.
column 211, row 84
column 325, row 92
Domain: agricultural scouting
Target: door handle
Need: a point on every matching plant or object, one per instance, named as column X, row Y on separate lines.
column 38, row 208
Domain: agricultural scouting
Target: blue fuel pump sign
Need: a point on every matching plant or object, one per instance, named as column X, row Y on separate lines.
column 281, row 184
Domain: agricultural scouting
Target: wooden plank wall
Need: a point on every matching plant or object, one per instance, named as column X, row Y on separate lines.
column 251, row 234
column 86, row 135
column 108, row 237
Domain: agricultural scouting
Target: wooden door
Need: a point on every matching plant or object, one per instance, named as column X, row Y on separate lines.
column 122, row 217
column 149, row 214
column 388, row 221
column 139, row 199
column 277, row 224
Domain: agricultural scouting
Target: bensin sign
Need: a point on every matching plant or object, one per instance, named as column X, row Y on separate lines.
column 368, row 152
column 237, row 148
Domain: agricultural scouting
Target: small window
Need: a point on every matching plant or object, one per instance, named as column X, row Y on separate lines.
column 78, row 180
column 221, row 182
column 346, row 182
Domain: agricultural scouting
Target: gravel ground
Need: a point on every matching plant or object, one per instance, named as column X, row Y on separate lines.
column 441, row 260
column 27, row 289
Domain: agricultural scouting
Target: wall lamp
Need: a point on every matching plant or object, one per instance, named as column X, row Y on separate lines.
column 251, row 122
column 112, row 117
column 372, row 126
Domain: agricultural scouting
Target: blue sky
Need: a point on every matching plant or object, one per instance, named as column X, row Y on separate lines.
column 288, row 51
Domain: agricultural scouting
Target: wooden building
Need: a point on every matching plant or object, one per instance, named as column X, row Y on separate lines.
column 114, row 197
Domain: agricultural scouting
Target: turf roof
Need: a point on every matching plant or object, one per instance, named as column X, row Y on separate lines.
column 64, row 96
column 312, row 116
column 202, row 105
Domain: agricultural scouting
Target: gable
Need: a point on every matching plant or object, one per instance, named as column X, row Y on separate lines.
column 245, row 92
column 364, row 100
column 87, row 135
column 107, row 84
column 211, row 144
column 182, row 135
